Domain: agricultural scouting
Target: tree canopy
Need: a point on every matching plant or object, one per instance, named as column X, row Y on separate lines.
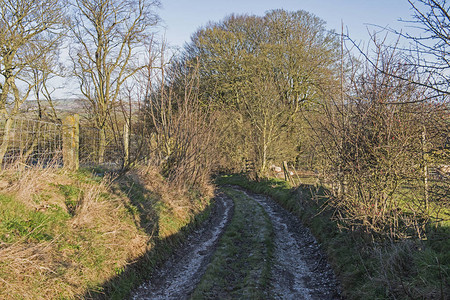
column 293, row 49
column 263, row 69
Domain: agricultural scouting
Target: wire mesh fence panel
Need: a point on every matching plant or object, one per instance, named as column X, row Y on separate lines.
column 36, row 142
column 90, row 151
column 30, row 142
column 89, row 144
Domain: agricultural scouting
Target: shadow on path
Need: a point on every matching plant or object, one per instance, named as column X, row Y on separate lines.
column 135, row 273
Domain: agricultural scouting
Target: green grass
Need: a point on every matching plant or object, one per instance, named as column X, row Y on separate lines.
column 72, row 195
column 240, row 267
column 405, row 269
column 67, row 235
column 130, row 277
column 158, row 220
column 18, row 222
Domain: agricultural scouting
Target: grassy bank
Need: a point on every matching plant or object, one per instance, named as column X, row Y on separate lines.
column 67, row 235
column 240, row 267
column 406, row 269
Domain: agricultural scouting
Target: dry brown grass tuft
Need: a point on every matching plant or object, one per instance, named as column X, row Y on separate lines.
column 67, row 252
column 175, row 201
column 91, row 208
column 85, row 249
column 169, row 194
column 27, row 182
column 32, row 271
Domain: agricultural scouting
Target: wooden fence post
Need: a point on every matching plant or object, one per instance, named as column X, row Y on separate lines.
column 126, row 144
column 71, row 141
column 425, row 167
column 287, row 176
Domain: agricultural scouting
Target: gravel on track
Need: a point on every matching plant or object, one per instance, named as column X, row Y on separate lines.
column 300, row 269
column 180, row 275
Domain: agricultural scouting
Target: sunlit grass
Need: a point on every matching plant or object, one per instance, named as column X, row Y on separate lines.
column 402, row 269
column 240, row 267
column 65, row 235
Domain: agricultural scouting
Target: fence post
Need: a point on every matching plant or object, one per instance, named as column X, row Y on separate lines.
column 287, row 176
column 126, row 144
column 71, row 141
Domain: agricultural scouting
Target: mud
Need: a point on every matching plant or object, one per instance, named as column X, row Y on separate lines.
column 181, row 274
column 300, row 269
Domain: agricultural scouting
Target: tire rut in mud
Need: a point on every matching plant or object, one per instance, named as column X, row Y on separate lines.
column 300, row 269
column 179, row 276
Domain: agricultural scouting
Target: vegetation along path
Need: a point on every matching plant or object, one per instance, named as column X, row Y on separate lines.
column 263, row 253
column 179, row 276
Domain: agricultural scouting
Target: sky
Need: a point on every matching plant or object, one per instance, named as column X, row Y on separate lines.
column 181, row 18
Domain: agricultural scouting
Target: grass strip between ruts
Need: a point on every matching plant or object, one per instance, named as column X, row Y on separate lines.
column 365, row 271
column 240, row 267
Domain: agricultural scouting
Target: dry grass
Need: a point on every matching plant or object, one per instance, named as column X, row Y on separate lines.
column 176, row 204
column 63, row 234
column 22, row 265
column 25, row 183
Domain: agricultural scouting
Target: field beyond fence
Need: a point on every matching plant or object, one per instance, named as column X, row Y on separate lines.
column 67, row 142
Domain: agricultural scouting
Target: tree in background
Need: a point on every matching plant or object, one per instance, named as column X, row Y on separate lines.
column 110, row 38
column 45, row 68
column 261, row 71
column 28, row 31
column 430, row 50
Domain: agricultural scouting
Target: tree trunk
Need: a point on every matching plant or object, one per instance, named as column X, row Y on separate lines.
column 5, row 140
column 101, row 145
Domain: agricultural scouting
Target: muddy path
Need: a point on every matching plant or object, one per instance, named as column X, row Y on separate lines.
column 299, row 269
column 178, row 277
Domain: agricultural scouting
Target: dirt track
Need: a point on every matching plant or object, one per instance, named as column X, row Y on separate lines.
column 179, row 276
column 299, row 270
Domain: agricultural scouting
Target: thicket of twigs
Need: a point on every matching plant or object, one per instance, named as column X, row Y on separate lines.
column 383, row 146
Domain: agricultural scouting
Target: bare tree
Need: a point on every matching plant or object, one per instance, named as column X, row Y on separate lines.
column 28, row 30
column 109, row 36
column 181, row 130
column 430, row 50
column 377, row 140
column 45, row 68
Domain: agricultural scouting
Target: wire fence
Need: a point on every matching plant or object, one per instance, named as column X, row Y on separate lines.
column 37, row 142
column 120, row 147
column 30, row 141
column 89, row 146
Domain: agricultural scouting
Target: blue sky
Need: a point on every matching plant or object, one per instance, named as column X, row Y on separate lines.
column 182, row 18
